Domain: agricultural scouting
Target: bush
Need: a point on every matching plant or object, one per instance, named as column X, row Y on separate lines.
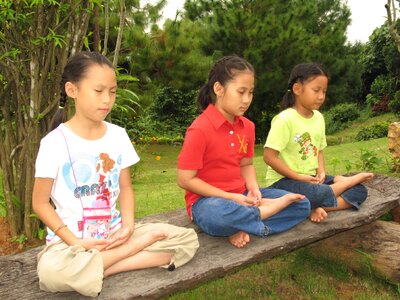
column 394, row 104
column 340, row 116
column 166, row 120
column 382, row 90
column 373, row 131
column 383, row 85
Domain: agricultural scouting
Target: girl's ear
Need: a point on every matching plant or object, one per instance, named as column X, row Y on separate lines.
column 297, row 88
column 218, row 89
column 70, row 89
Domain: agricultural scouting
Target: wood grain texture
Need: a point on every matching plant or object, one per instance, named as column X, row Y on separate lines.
column 215, row 258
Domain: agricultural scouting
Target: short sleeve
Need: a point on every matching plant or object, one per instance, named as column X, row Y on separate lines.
column 252, row 140
column 279, row 134
column 47, row 163
column 193, row 149
column 129, row 154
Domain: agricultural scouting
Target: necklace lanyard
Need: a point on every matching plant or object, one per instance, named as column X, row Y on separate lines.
column 72, row 167
column 100, row 216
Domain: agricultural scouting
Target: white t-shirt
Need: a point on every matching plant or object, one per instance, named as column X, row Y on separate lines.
column 94, row 179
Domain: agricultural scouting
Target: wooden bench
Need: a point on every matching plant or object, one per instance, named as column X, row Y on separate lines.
column 215, row 257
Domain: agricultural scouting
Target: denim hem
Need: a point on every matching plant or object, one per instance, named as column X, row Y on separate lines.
column 265, row 231
column 355, row 205
column 335, row 204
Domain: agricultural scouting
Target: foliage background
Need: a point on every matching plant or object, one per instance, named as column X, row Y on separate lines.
column 160, row 70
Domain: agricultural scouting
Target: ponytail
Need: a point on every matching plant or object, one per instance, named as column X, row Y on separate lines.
column 61, row 114
column 288, row 100
column 206, row 96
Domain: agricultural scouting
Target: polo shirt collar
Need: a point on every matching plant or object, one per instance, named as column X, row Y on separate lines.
column 216, row 118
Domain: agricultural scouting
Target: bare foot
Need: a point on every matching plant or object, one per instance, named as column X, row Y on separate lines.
column 318, row 214
column 339, row 178
column 147, row 239
column 358, row 178
column 364, row 176
column 288, row 198
column 291, row 198
column 239, row 239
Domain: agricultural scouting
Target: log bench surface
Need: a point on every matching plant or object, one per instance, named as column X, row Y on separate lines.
column 215, row 258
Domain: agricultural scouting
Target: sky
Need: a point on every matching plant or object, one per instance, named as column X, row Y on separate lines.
column 366, row 15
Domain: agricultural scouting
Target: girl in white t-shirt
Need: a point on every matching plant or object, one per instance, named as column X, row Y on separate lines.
column 83, row 167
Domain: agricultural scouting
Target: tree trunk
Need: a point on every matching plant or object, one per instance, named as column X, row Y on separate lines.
column 391, row 21
column 120, row 32
column 96, row 30
column 394, row 145
column 30, row 77
column 106, row 27
column 372, row 248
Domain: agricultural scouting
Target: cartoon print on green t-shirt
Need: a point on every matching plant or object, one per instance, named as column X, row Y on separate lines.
column 307, row 149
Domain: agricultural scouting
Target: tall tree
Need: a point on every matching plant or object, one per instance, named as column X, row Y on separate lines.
column 36, row 39
column 392, row 10
column 276, row 35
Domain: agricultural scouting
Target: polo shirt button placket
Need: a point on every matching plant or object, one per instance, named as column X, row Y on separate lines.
column 231, row 133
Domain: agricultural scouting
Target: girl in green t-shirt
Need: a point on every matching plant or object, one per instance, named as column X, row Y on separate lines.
column 294, row 148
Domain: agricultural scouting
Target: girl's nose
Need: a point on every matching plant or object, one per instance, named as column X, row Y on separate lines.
column 106, row 98
column 247, row 98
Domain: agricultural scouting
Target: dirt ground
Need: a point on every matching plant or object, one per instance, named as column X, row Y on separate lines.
column 9, row 247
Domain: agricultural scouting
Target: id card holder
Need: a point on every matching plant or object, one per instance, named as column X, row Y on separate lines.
column 95, row 223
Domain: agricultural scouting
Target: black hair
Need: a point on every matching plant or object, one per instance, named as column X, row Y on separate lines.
column 300, row 73
column 74, row 71
column 223, row 71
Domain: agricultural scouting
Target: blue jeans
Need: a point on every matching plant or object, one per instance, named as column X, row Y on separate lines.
column 321, row 195
column 221, row 217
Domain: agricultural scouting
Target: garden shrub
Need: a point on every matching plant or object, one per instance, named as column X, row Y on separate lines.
column 166, row 120
column 340, row 116
column 382, row 90
column 373, row 131
column 383, row 85
column 394, row 104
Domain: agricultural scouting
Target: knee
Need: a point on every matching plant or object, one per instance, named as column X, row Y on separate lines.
column 48, row 274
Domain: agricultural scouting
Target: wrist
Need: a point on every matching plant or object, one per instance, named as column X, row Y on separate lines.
column 131, row 227
column 252, row 187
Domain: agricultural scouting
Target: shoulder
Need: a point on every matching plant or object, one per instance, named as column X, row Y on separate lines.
column 201, row 123
column 247, row 123
column 284, row 116
column 54, row 137
column 318, row 114
column 114, row 128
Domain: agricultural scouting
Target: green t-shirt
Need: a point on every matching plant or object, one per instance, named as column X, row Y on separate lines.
column 298, row 141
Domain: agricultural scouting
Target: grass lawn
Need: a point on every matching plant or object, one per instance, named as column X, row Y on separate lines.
column 296, row 275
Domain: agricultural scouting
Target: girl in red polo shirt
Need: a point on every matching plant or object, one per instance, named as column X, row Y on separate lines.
column 216, row 169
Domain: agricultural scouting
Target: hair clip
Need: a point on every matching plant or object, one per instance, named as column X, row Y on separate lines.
column 60, row 107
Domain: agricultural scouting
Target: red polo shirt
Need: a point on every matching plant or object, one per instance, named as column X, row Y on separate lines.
column 214, row 147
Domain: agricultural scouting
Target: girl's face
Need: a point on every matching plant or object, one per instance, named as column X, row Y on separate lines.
column 233, row 99
column 95, row 93
column 310, row 95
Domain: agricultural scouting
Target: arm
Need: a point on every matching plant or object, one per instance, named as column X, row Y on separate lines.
column 321, row 167
column 127, row 208
column 188, row 180
column 248, row 172
column 271, row 157
column 45, row 211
